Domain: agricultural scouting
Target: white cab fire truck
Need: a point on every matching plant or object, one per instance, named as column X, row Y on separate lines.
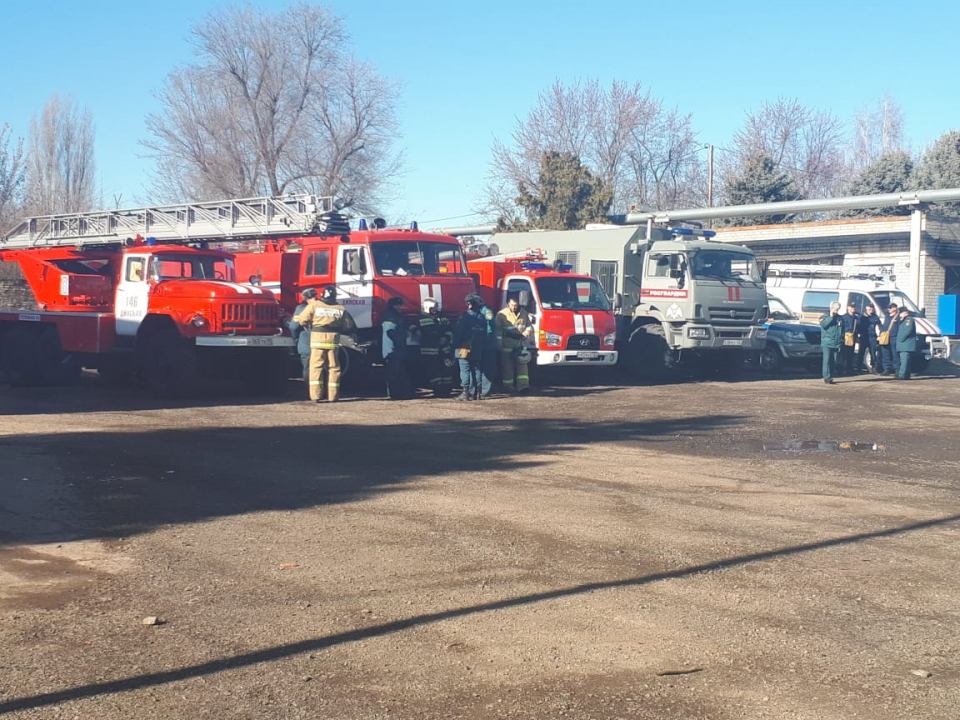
column 572, row 316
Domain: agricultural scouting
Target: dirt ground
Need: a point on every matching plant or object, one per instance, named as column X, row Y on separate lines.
column 768, row 548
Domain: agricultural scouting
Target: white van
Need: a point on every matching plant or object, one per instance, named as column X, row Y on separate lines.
column 811, row 289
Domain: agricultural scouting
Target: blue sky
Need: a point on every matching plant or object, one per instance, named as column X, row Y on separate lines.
column 468, row 71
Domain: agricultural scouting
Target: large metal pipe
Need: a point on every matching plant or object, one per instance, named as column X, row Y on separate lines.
column 461, row 231
column 855, row 202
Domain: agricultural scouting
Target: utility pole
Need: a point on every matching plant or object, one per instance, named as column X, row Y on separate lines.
column 710, row 184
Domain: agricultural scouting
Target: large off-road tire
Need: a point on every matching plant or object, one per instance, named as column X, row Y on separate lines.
column 919, row 364
column 15, row 341
column 649, row 354
column 32, row 355
column 168, row 364
column 770, row 360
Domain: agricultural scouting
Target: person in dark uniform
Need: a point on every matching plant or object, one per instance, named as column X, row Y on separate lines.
column 867, row 339
column 488, row 362
column 469, row 335
column 327, row 320
column 851, row 323
column 907, row 343
column 300, row 334
column 436, row 349
column 394, row 346
column 831, row 338
column 888, row 333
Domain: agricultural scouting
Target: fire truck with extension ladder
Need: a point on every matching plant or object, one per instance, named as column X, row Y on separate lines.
column 369, row 266
column 141, row 294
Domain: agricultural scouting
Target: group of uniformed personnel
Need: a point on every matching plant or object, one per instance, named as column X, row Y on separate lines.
column 424, row 353
column 891, row 341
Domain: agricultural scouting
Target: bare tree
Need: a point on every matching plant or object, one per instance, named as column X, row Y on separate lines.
column 274, row 104
column 646, row 154
column 11, row 177
column 805, row 144
column 60, row 166
column 878, row 131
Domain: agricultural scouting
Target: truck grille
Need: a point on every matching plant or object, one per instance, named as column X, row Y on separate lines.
column 249, row 315
column 730, row 315
column 583, row 342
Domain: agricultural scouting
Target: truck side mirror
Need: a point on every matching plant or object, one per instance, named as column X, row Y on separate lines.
column 676, row 274
column 618, row 301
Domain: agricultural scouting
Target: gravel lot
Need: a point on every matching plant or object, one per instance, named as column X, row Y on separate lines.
column 679, row 552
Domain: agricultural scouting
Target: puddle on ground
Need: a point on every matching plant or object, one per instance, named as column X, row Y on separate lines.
column 818, row 446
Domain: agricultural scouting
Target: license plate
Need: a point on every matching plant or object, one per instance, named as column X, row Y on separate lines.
column 259, row 341
column 738, row 343
column 587, row 355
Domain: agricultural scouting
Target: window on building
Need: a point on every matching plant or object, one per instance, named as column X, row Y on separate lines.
column 571, row 258
column 605, row 271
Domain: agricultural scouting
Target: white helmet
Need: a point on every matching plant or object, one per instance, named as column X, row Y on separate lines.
column 430, row 305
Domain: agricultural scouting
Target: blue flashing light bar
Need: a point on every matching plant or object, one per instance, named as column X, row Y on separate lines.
column 691, row 231
column 363, row 224
column 414, row 226
column 533, row 266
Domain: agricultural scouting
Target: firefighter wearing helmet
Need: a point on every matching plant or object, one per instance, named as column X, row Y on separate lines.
column 326, row 320
column 437, row 361
column 513, row 328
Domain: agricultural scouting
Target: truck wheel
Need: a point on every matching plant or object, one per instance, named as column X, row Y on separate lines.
column 169, row 364
column 650, row 356
column 52, row 365
column 919, row 363
column 770, row 359
column 31, row 355
column 15, row 365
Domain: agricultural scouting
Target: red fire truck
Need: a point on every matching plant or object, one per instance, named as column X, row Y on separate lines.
column 368, row 266
column 574, row 321
column 140, row 294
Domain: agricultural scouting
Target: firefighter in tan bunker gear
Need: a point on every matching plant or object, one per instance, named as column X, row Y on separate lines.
column 325, row 320
column 513, row 327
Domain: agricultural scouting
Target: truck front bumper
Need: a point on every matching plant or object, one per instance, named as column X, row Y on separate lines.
column 245, row 341
column 705, row 337
column 572, row 358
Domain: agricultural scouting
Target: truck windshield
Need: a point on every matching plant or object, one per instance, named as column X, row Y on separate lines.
column 418, row 258
column 723, row 265
column 177, row 266
column 571, row 293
